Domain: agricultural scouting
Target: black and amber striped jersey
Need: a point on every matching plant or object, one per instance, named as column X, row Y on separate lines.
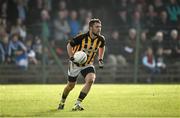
column 90, row 46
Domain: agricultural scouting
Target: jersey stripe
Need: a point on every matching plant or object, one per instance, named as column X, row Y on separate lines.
column 91, row 54
column 77, row 48
column 89, row 43
column 86, row 43
column 83, row 44
column 74, row 49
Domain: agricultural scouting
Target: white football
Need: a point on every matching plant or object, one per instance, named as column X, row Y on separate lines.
column 80, row 57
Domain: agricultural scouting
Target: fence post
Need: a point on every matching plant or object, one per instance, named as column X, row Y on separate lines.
column 136, row 61
column 45, row 35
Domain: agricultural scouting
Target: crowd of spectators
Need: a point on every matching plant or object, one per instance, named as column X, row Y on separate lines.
column 149, row 29
column 27, row 25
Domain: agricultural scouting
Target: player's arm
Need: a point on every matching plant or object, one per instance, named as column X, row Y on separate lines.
column 72, row 42
column 70, row 50
column 101, row 56
column 101, row 53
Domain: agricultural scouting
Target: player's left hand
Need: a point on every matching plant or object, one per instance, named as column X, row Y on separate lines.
column 101, row 64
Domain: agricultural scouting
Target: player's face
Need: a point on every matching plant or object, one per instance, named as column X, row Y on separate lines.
column 96, row 28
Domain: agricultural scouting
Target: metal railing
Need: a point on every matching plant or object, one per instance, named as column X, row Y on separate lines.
column 123, row 74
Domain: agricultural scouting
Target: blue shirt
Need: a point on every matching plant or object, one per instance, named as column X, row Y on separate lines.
column 75, row 27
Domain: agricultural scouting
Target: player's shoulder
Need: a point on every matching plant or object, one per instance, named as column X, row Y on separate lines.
column 80, row 36
column 101, row 37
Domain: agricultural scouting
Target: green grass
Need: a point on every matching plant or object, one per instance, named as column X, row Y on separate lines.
column 102, row 101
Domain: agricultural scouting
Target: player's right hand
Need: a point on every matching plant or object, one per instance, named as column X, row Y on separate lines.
column 72, row 59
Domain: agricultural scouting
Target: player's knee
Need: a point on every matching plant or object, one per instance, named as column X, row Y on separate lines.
column 90, row 81
column 90, row 78
column 70, row 86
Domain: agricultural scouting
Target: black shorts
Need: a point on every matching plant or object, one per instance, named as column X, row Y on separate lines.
column 84, row 72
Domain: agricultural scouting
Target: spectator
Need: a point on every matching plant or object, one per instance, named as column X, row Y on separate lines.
column 74, row 24
column 157, row 40
column 115, row 57
column 159, row 5
column 61, row 5
column 45, row 25
column 149, row 63
column 160, row 61
column 161, row 49
column 86, row 25
column 175, row 46
column 29, row 16
column 173, row 10
column 19, row 28
column 22, row 10
column 37, row 47
column 18, row 52
column 4, row 47
column 3, row 6
column 61, row 27
column 47, row 4
column 3, row 26
column 136, row 20
column 131, row 5
column 12, row 12
column 41, row 51
column 34, row 12
column 140, row 8
column 123, row 4
column 1, row 53
column 82, row 15
column 163, row 24
column 130, row 46
column 115, row 48
column 121, row 22
column 144, row 43
column 30, row 52
column 151, row 20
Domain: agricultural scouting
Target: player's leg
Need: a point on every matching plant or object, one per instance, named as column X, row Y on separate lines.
column 67, row 89
column 89, row 74
column 89, row 80
column 73, row 72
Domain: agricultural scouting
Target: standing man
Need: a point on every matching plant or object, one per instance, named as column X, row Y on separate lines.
column 91, row 43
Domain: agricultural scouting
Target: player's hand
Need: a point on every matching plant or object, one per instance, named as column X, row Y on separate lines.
column 101, row 64
column 72, row 59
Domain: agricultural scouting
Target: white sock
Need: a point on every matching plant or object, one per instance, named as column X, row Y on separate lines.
column 62, row 100
column 78, row 102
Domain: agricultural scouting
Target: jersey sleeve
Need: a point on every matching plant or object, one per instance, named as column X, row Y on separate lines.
column 76, row 40
column 103, row 42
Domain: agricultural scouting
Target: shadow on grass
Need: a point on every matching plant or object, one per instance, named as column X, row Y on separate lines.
column 52, row 112
column 47, row 113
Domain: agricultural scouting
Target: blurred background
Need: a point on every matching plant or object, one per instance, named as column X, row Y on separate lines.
column 142, row 39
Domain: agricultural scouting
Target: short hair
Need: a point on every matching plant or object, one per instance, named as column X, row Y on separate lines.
column 94, row 20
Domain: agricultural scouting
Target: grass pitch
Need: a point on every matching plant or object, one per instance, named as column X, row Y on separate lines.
column 102, row 101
